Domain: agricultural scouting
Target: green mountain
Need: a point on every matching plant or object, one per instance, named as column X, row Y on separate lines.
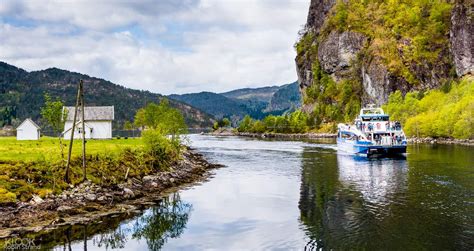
column 256, row 102
column 21, row 95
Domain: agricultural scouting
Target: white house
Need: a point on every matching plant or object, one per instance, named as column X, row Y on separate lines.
column 28, row 130
column 97, row 119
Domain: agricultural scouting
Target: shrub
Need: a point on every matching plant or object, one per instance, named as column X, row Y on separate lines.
column 163, row 150
column 437, row 113
column 246, row 124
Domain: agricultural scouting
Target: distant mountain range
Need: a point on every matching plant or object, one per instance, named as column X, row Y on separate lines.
column 256, row 102
column 21, row 95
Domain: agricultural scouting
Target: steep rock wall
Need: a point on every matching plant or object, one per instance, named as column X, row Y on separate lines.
column 347, row 54
column 462, row 36
column 337, row 52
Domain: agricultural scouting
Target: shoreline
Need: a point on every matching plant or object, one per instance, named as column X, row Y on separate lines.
column 298, row 136
column 88, row 202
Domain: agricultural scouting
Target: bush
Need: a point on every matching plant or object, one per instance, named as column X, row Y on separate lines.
column 437, row 113
column 225, row 122
column 296, row 122
column 246, row 124
column 163, row 150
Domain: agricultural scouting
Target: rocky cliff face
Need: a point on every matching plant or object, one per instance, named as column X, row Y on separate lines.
column 318, row 11
column 351, row 54
column 337, row 52
column 462, row 36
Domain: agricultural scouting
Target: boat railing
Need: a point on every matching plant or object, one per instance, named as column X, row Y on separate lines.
column 396, row 135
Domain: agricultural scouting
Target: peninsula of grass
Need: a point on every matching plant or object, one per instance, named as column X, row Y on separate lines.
column 30, row 168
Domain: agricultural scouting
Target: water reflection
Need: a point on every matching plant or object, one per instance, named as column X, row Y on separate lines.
column 348, row 202
column 165, row 221
column 376, row 179
column 156, row 226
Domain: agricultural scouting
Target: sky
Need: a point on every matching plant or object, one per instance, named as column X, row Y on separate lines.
column 164, row 46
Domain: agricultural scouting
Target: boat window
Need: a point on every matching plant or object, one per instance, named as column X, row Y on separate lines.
column 345, row 135
column 375, row 118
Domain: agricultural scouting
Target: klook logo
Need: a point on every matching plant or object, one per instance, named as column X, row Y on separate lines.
column 20, row 244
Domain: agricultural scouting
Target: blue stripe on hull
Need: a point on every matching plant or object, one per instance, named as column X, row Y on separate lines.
column 364, row 149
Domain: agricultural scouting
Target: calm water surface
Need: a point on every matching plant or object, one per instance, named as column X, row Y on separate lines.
column 284, row 195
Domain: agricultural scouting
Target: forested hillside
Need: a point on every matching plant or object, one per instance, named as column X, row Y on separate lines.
column 21, row 95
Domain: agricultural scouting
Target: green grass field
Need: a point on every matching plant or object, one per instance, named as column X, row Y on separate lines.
column 48, row 149
column 35, row 167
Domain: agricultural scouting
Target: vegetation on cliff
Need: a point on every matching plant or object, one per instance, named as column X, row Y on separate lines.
column 402, row 32
column 337, row 101
column 445, row 112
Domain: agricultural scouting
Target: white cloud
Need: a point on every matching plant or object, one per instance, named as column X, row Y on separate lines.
column 161, row 46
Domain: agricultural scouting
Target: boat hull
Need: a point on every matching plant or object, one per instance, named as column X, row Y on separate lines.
column 362, row 148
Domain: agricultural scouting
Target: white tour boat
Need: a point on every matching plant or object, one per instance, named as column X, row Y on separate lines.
column 372, row 134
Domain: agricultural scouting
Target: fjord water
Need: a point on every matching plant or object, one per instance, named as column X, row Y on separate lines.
column 288, row 195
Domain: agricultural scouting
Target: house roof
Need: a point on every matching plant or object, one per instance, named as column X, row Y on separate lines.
column 91, row 113
column 30, row 121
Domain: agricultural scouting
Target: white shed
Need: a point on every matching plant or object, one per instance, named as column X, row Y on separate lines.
column 97, row 119
column 28, row 130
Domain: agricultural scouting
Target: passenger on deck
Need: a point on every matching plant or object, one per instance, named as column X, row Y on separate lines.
column 377, row 139
column 398, row 126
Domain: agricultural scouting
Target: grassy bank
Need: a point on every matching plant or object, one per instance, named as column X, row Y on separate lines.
column 30, row 168
column 48, row 149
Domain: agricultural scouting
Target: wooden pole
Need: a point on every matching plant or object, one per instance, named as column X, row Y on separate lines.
column 66, row 178
column 84, row 173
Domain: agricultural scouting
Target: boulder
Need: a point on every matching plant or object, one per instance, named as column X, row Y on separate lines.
column 90, row 197
column 128, row 193
column 63, row 209
column 36, row 200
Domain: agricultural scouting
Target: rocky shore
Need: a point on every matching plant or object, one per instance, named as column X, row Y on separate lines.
column 288, row 135
column 429, row 140
column 88, row 202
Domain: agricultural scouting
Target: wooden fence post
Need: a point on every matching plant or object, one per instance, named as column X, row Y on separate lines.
column 84, row 173
column 67, row 178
